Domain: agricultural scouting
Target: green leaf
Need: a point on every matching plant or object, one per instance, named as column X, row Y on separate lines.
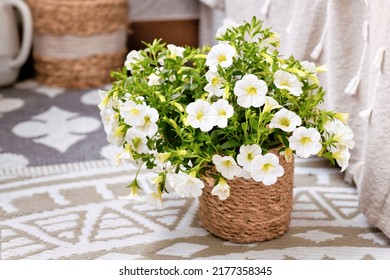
column 231, row 144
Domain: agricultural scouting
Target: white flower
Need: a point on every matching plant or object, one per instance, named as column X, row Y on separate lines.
column 250, row 91
column 222, row 189
column 266, row 169
column 221, row 54
column 133, row 57
column 108, row 118
column 155, row 199
column 309, row 67
column 270, row 104
column 153, row 80
column 186, row 185
column 341, row 154
column 169, row 181
column 137, row 140
column 175, row 51
column 270, row 43
column 245, row 174
column 150, row 127
column 227, row 23
column 224, row 111
column 215, row 84
column 138, row 98
column 247, row 155
column 341, row 133
column 226, row 166
column 286, row 120
column 201, row 115
column 105, row 100
column 133, row 114
column 133, row 195
column 285, row 80
column 135, row 192
column 102, row 94
column 305, row 141
column 343, row 117
column 161, row 158
column 161, row 60
column 125, row 155
column 115, row 134
column 172, row 78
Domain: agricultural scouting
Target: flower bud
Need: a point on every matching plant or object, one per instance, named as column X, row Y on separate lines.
column 343, row 117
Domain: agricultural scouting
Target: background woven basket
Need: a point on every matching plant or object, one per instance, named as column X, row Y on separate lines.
column 57, row 21
column 253, row 212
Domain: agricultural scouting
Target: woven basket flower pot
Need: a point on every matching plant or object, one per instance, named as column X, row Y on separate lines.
column 253, row 212
column 78, row 42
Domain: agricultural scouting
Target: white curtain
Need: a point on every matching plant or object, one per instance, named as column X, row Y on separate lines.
column 352, row 37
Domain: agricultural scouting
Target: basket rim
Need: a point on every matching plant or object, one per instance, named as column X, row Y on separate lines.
column 71, row 3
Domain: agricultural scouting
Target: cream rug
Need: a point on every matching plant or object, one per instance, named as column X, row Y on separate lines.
column 77, row 215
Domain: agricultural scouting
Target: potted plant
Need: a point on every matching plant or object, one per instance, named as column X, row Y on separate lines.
column 223, row 124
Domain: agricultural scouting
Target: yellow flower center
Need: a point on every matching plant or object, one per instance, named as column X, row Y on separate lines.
column 221, row 58
column 119, row 132
column 137, row 141
column 227, row 163
column 134, row 111
column 222, row 112
column 267, row 167
column 337, row 155
column 337, row 137
column 285, row 121
column 134, row 191
column 251, row 90
column 305, row 140
column 215, row 82
column 249, row 156
column 199, row 115
column 147, row 119
column 285, row 83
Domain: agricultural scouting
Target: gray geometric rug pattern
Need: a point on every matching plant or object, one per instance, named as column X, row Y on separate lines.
column 43, row 126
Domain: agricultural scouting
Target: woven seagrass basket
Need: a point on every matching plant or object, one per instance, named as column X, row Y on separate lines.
column 78, row 42
column 253, row 212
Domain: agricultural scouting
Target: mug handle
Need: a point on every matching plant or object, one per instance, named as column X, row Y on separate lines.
column 27, row 32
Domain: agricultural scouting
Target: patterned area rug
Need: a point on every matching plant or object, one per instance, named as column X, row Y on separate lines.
column 59, row 196
column 44, row 126
column 77, row 215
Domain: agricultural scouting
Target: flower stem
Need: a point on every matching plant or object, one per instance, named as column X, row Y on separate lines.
column 258, row 126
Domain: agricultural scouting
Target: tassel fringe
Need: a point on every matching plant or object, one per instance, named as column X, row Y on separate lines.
column 352, row 86
column 378, row 61
column 289, row 27
column 266, row 7
column 315, row 54
column 366, row 114
column 354, row 83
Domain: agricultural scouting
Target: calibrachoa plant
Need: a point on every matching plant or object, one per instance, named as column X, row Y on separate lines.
column 181, row 111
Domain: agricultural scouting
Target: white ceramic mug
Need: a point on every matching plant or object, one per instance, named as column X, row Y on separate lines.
column 12, row 54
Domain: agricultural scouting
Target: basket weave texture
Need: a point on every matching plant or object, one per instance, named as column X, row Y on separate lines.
column 58, row 20
column 253, row 212
column 78, row 17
